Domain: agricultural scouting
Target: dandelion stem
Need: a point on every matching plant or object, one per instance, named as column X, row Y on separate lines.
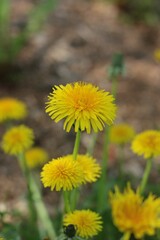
column 76, row 145
column 126, row 236
column 102, row 181
column 66, row 201
column 145, row 175
column 36, row 199
column 75, row 192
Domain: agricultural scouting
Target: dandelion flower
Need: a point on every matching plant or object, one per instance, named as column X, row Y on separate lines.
column 82, row 105
column 12, row 109
column 147, row 144
column 62, row 173
column 17, row 140
column 35, row 157
column 121, row 133
column 157, row 54
column 88, row 223
column 134, row 215
column 91, row 169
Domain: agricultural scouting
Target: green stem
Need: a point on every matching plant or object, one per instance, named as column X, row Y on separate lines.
column 66, row 201
column 41, row 210
column 102, row 182
column 75, row 192
column 76, row 145
column 145, row 175
column 36, row 199
column 126, row 236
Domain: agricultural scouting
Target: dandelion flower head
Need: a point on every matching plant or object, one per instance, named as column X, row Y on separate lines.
column 82, row 105
column 17, row 140
column 12, row 109
column 91, row 169
column 121, row 133
column 87, row 222
column 133, row 215
column 35, row 157
column 147, row 144
column 62, row 173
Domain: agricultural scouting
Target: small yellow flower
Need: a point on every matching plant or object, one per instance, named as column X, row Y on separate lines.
column 35, row 157
column 12, row 109
column 91, row 169
column 82, row 105
column 62, row 173
column 17, row 140
column 157, row 54
column 121, row 133
column 88, row 223
column 134, row 215
column 147, row 144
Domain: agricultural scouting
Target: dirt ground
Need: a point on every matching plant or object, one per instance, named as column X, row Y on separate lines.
column 77, row 44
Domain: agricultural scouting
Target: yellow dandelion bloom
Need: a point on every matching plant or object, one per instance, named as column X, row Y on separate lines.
column 35, row 157
column 157, row 54
column 17, row 140
column 12, row 109
column 134, row 215
column 147, row 144
column 88, row 223
column 62, row 173
column 121, row 133
column 91, row 169
column 82, row 105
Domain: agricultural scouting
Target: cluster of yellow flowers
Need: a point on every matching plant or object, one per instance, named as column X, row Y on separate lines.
column 84, row 107
column 134, row 215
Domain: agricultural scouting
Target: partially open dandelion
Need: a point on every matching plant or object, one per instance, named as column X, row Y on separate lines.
column 134, row 215
column 12, row 109
column 35, row 157
column 17, row 140
column 121, row 133
column 91, row 169
column 82, row 105
column 147, row 144
column 62, row 173
column 87, row 222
